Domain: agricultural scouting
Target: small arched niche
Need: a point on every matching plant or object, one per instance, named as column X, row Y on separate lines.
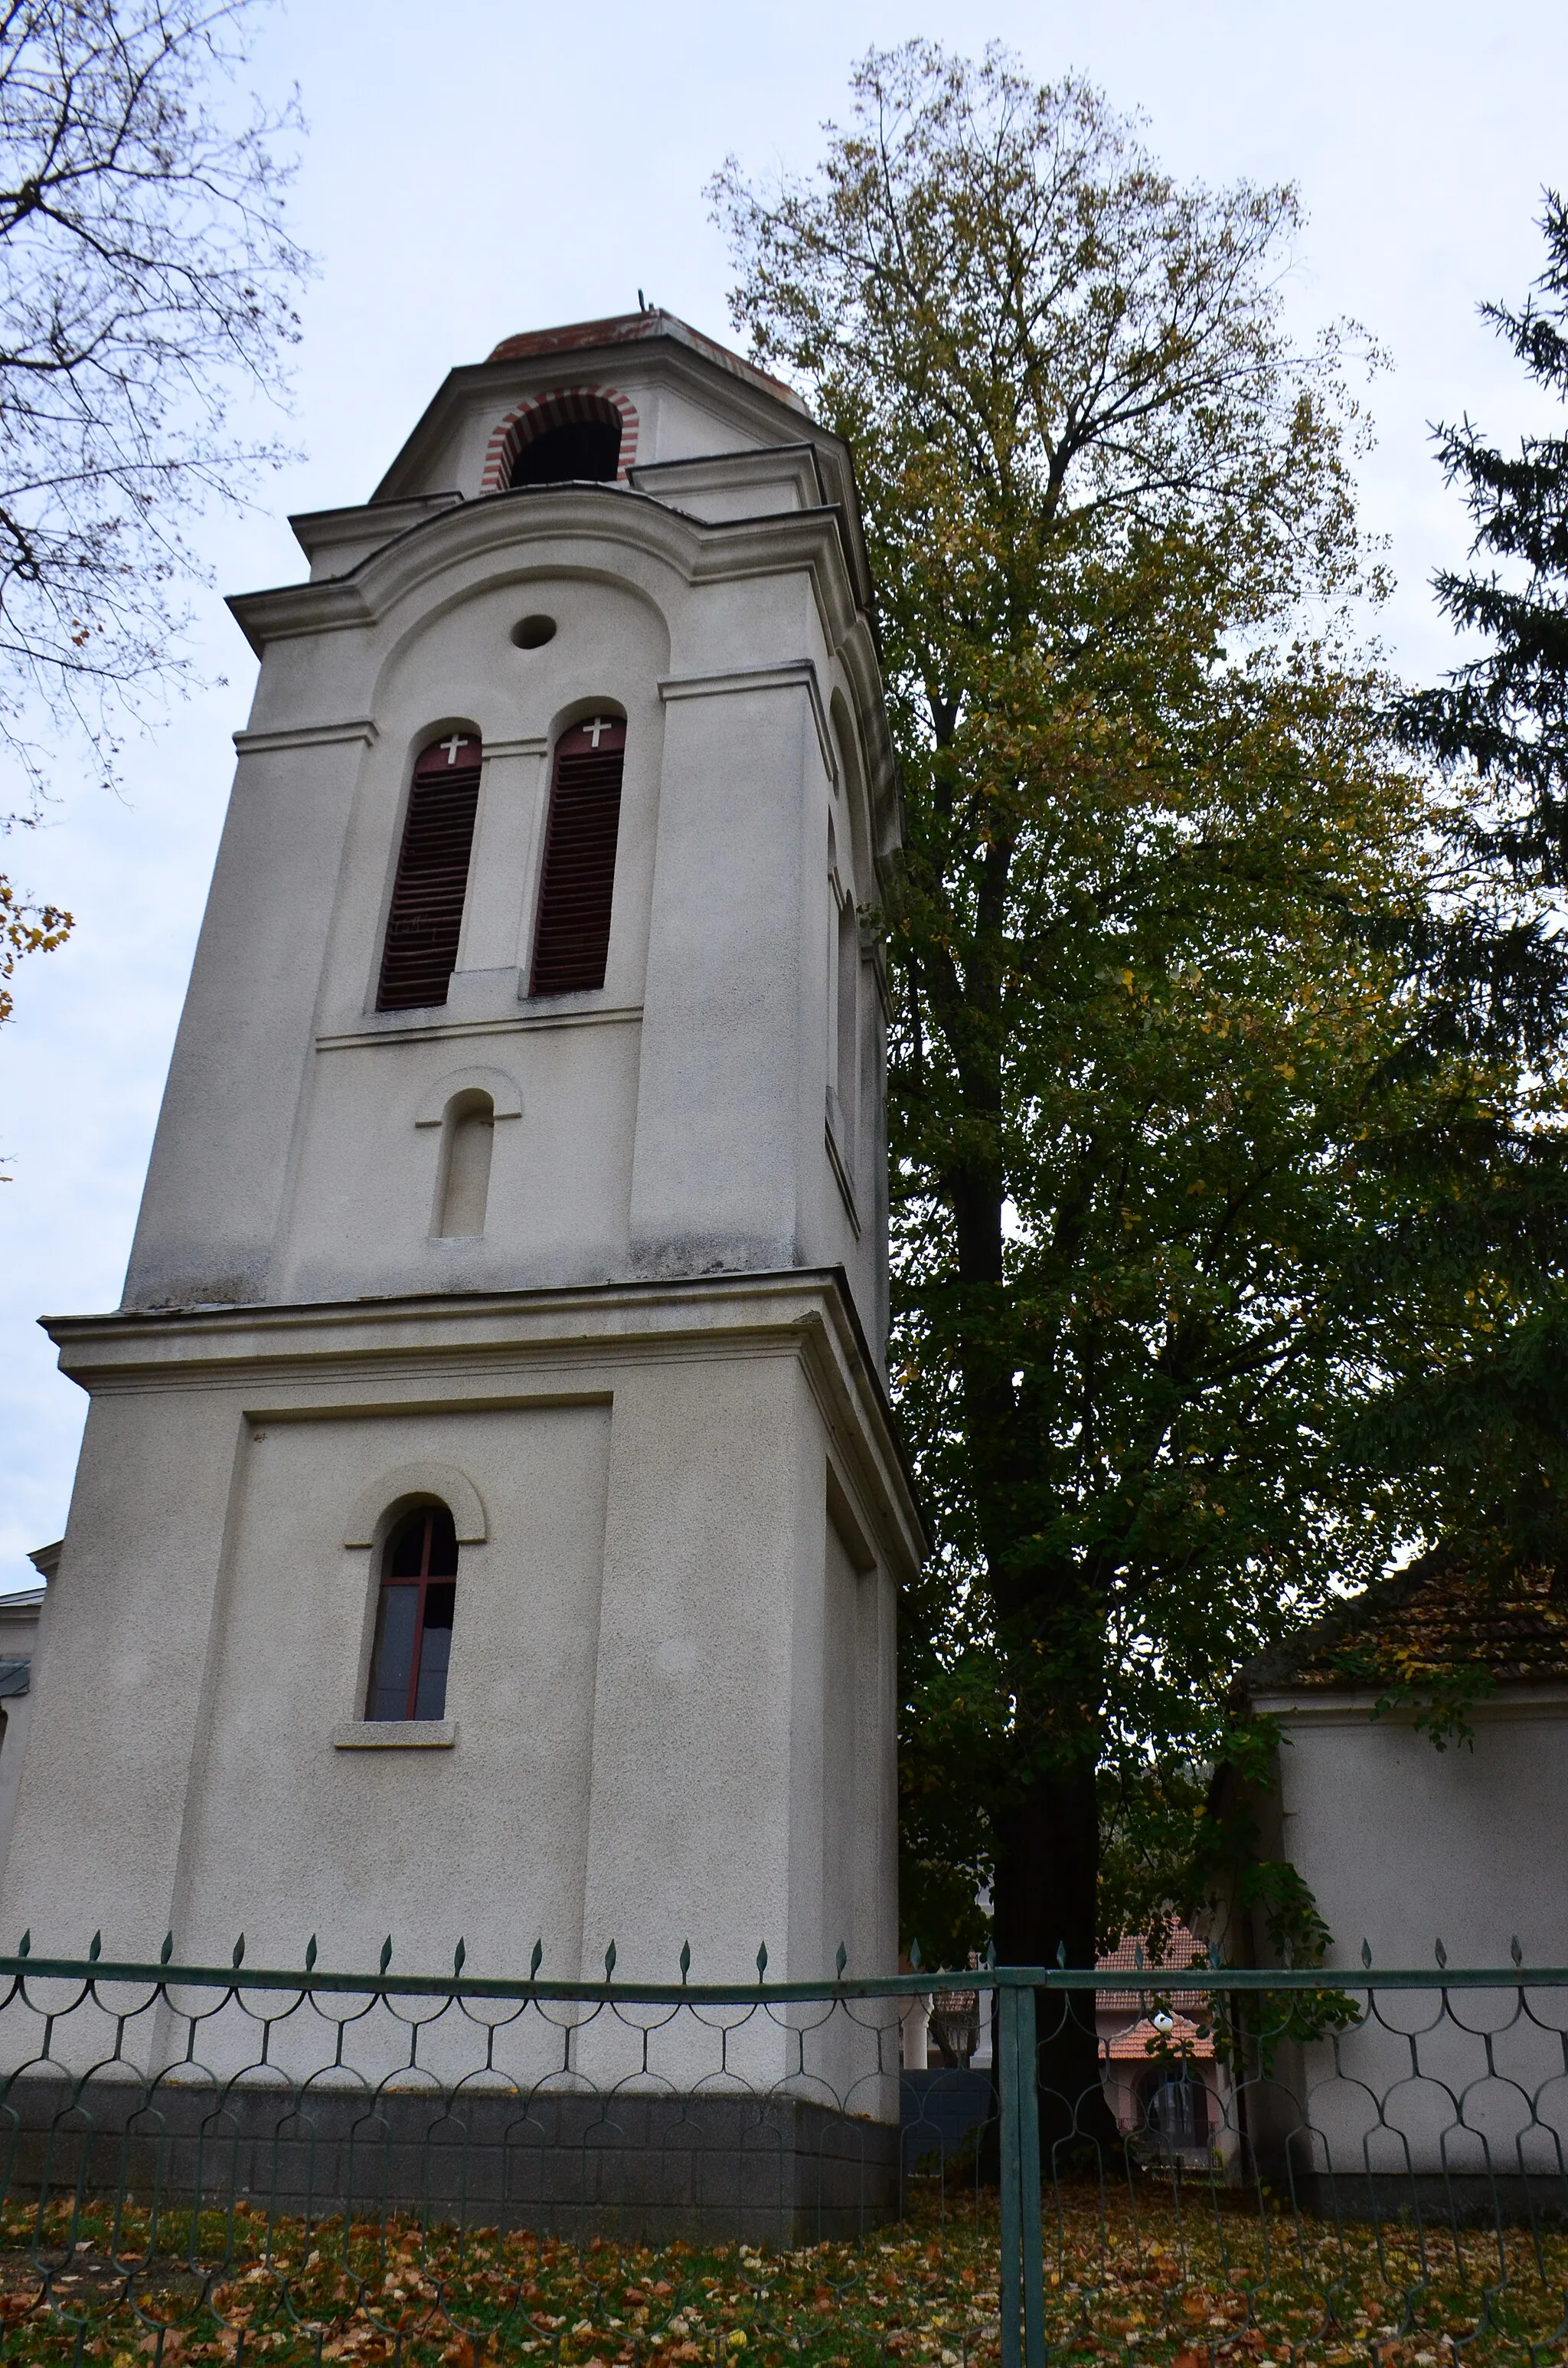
column 462, row 1189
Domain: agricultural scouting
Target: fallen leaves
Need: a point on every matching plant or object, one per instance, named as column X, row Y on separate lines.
column 1179, row 2280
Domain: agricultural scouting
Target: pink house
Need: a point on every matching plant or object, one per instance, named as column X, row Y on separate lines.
column 1166, row 2088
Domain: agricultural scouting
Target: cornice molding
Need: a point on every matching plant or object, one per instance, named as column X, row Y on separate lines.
column 695, row 551
column 474, row 1348
column 761, row 465
column 441, row 1030
column 316, row 530
column 796, row 674
column 307, row 735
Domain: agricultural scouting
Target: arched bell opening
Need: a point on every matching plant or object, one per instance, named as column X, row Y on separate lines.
column 561, row 451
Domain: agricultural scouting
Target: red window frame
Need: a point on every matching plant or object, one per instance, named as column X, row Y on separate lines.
column 422, row 1581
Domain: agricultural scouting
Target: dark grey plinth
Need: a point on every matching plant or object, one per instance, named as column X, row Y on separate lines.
column 774, row 2169
column 1426, row 2199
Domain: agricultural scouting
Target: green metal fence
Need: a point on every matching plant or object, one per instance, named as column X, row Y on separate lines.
column 301, row 2164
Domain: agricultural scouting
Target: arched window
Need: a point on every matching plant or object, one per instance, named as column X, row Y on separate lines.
column 414, row 1617
column 572, row 938
column 584, row 443
column 467, row 1136
column 426, row 919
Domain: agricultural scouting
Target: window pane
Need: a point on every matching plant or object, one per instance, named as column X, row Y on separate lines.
column 406, row 1547
column 443, row 1561
column 391, row 1665
column 436, row 1653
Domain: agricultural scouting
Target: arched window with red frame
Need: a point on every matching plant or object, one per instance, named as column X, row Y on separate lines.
column 427, row 917
column 578, row 890
column 414, row 1617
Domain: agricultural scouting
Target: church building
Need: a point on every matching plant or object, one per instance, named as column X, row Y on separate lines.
column 489, row 1520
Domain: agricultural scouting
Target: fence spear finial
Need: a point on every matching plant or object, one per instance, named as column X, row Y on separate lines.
column 685, row 1959
column 239, row 1949
column 915, row 1957
column 535, row 1959
column 458, row 1953
column 23, row 1945
column 310, row 1954
column 386, row 1953
column 841, row 1960
column 166, row 1951
column 1439, row 1952
column 609, row 1961
column 1367, row 1954
column 1515, row 1951
column 762, row 1961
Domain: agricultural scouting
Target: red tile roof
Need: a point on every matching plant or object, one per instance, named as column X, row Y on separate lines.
column 1442, row 1618
column 1140, row 2039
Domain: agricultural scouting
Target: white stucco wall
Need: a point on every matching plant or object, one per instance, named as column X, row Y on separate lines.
column 671, row 1685
column 20, row 1615
column 1404, row 1845
column 670, row 1712
column 674, row 1121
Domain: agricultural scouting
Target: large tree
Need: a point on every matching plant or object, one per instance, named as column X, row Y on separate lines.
column 146, row 274
column 1480, row 1421
column 1504, row 715
column 1168, row 1128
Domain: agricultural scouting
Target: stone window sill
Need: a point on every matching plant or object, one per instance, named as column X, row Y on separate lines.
column 395, row 1734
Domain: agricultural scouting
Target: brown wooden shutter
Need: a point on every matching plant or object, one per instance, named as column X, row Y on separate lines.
column 571, row 941
column 426, row 912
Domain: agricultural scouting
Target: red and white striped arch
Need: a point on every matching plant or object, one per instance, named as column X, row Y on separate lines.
column 555, row 410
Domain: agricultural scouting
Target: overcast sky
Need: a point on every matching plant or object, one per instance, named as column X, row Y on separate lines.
column 482, row 167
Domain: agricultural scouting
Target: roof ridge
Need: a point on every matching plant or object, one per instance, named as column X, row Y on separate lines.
column 633, row 328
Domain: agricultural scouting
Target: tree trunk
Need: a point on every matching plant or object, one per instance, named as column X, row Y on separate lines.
column 1046, row 1872
column 1046, row 1824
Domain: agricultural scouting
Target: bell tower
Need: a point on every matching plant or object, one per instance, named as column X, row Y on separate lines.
column 488, row 1520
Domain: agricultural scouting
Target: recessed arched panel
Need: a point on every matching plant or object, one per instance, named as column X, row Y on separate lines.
column 409, row 1481
column 462, row 1195
column 506, row 1101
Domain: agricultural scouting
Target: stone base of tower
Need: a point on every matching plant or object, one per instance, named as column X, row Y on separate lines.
column 670, row 1709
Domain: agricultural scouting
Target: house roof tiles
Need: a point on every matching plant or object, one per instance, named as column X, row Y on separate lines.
column 1141, row 2038
column 1442, row 1618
